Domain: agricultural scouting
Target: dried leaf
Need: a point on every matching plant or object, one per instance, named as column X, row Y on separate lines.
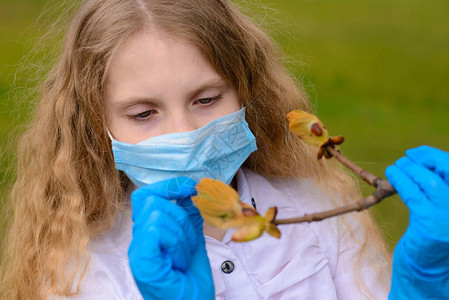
column 307, row 127
column 220, row 206
column 310, row 129
column 248, row 232
column 270, row 227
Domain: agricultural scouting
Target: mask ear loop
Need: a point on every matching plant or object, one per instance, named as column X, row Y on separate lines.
column 132, row 185
column 109, row 134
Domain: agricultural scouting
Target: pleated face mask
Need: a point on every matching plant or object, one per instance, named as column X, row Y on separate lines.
column 216, row 150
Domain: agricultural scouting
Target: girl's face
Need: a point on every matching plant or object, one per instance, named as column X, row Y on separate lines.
column 158, row 85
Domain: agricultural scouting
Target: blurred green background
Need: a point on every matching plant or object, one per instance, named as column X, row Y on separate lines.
column 377, row 72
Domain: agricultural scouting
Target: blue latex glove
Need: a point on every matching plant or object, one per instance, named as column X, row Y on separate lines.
column 421, row 257
column 167, row 254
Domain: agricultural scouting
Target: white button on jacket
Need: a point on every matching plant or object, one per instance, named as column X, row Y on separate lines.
column 310, row 261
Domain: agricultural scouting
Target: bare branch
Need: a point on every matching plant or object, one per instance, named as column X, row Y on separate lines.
column 382, row 191
column 363, row 174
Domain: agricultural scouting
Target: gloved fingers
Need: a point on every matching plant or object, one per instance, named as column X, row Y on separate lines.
column 185, row 203
column 152, row 270
column 171, row 189
column 188, row 206
column 144, row 251
column 193, row 212
column 408, row 190
column 142, row 209
column 180, row 234
column 166, row 214
column 161, row 241
column 433, row 186
column 432, row 158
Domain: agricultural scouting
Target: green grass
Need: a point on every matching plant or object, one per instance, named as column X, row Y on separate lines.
column 376, row 70
column 379, row 72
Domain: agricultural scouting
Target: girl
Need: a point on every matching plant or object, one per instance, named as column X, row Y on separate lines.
column 148, row 97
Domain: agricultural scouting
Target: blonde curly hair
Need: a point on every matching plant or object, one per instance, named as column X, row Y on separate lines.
column 67, row 189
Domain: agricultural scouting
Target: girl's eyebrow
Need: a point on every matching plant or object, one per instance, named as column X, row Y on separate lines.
column 128, row 102
column 216, row 82
column 135, row 100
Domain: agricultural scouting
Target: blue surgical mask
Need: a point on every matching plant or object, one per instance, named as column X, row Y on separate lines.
column 216, row 150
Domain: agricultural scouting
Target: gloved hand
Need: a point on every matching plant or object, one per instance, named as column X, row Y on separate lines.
column 421, row 257
column 167, row 254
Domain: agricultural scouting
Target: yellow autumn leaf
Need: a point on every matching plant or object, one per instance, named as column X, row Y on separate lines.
column 270, row 227
column 220, row 206
column 248, row 232
column 307, row 127
column 218, row 203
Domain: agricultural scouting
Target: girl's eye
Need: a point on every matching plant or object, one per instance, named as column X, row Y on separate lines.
column 142, row 116
column 207, row 101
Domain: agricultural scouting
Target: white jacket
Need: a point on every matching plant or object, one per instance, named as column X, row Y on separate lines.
column 310, row 261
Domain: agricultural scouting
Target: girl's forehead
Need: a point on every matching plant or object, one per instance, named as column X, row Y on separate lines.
column 156, row 48
column 151, row 63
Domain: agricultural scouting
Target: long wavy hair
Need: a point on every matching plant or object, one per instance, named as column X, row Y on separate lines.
column 67, row 189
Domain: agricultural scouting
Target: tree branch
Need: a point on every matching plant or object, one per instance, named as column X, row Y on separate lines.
column 364, row 203
column 383, row 190
column 363, row 174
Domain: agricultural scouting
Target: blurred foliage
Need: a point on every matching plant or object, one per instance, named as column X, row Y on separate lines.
column 377, row 72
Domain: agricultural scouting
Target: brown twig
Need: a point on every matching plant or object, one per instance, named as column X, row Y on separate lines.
column 363, row 174
column 383, row 190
